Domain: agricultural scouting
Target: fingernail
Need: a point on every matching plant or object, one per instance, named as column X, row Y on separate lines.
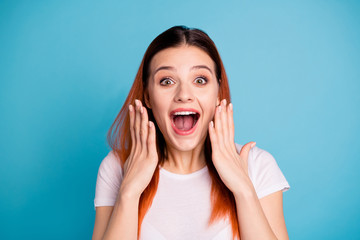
column 224, row 102
column 212, row 124
column 253, row 144
column 142, row 109
column 130, row 108
column 151, row 124
column 219, row 108
column 230, row 106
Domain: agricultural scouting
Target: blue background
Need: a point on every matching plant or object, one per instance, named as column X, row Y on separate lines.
column 67, row 66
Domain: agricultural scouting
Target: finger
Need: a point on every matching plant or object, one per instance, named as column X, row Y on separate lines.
column 132, row 122
column 144, row 128
column 224, row 121
column 212, row 135
column 151, row 140
column 244, row 152
column 231, row 124
column 137, row 121
column 218, row 125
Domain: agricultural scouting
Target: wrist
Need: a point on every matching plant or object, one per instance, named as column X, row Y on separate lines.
column 247, row 191
column 127, row 194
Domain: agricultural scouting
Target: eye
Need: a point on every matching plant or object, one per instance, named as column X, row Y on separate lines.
column 201, row 80
column 166, row 81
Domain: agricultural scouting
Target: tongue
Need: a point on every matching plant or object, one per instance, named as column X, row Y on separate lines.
column 184, row 123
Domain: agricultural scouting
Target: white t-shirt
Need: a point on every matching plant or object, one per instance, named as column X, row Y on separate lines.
column 181, row 207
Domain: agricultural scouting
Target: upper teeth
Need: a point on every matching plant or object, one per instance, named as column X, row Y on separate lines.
column 184, row 113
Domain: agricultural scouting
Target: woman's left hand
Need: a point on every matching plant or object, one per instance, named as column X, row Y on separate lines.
column 231, row 166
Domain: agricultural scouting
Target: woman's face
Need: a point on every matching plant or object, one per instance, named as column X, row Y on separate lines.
column 183, row 94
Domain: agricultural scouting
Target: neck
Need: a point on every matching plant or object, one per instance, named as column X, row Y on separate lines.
column 185, row 162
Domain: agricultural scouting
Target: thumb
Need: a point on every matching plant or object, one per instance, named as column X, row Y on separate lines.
column 244, row 152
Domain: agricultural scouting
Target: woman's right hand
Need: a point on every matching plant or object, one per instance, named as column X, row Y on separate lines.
column 143, row 159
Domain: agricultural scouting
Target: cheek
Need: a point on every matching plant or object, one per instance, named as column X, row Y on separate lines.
column 208, row 102
column 212, row 112
column 208, row 108
column 158, row 97
column 159, row 108
column 208, row 96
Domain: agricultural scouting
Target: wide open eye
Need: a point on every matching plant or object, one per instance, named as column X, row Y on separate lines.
column 166, row 81
column 201, row 80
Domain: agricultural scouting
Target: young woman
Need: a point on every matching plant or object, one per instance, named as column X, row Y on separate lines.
column 174, row 171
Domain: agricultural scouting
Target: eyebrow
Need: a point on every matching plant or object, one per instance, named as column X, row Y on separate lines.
column 192, row 68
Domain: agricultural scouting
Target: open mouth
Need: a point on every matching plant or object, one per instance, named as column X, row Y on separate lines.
column 184, row 122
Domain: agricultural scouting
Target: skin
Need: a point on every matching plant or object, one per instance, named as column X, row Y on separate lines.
column 257, row 220
column 183, row 88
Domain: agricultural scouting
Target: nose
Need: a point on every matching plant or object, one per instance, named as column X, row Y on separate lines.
column 183, row 93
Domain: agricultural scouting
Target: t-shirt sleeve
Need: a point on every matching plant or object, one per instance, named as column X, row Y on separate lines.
column 264, row 172
column 108, row 181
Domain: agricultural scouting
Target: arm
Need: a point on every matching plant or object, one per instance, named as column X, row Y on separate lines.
column 118, row 222
column 261, row 219
column 272, row 206
column 121, row 221
column 257, row 219
column 102, row 218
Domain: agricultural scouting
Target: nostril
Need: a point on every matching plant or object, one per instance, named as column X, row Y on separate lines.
column 181, row 99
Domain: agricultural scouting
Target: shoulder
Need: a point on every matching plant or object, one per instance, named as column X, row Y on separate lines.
column 258, row 157
column 256, row 152
column 264, row 171
column 110, row 162
column 110, row 171
column 108, row 180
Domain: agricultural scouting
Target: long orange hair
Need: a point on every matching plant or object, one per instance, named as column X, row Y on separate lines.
column 119, row 139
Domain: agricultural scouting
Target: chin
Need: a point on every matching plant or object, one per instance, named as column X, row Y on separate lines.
column 185, row 147
column 186, row 144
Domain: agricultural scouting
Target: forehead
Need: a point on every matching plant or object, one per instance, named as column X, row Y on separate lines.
column 181, row 57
